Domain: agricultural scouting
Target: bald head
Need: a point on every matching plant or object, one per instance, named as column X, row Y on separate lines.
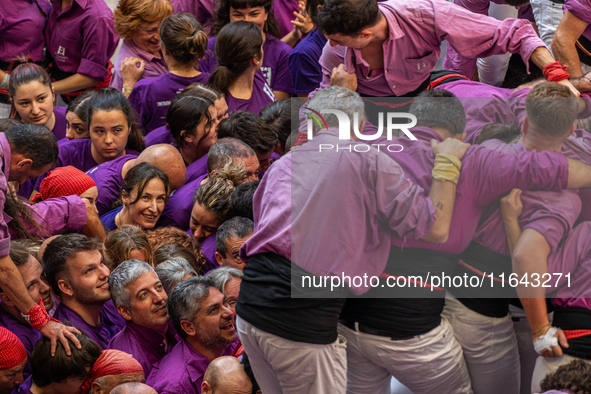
column 44, row 246
column 168, row 159
column 133, row 388
column 226, row 375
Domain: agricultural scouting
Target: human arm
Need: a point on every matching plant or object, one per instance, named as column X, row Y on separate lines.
column 302, row 25
column 131, row 73
column 563, row 44
column 74, row 83
column 94, row 227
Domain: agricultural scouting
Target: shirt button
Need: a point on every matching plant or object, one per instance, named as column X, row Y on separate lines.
column 393, row 86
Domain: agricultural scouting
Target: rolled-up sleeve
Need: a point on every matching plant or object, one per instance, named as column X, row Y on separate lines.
column 57, row 214
column 100, row 42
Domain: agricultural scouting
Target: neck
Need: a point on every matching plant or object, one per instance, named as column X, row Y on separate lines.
column 124, row 217
column 243, row 85
column 209, row 352
column 541, row 144
column 13, row 310
column 66, row 4
column 380, row 31
column 100, row 159
column 190, row 154
column 50, row 124
column 183, row 70
column 442, row 132
column 90, row 313
column 127, row 166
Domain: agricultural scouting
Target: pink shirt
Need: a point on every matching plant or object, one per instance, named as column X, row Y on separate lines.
column 578, row 146
column 4, row 176
column 155, row 66
column 416, row 30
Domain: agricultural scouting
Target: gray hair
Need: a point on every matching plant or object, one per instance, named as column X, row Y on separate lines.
column 222, row 275
column 340, row 98
column 125, row 274
column 184, row 301
column 237, row 227
column 173, row 271
column 439, row 108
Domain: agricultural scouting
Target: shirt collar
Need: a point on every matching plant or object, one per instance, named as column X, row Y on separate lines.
column 195, row 362
column 389, row 13
column 141, row 53
column 425, row 134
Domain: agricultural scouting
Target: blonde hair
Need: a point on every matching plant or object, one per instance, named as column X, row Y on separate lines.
column 120, row 243
column 131, row 14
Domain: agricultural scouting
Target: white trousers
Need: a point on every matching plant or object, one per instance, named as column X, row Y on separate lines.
column 283, row 366
column 428, row 363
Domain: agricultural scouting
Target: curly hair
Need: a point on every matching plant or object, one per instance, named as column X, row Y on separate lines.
column 574, row 377
column 161, row 237
column 131, row 14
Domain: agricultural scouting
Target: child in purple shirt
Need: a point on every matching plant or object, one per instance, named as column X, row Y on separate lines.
column 239, row 50
column 183, row 44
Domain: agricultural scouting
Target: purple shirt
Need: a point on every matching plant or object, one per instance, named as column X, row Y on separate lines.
column 208, row 249
column 485, row 176
column 27, row 335
column 283, row 12
column 111, row 322
column 582, row 10
column 21, row 28
column 81, row 38
column 155, row 66
column 4, row 176
column 275, row 68
column 416, row 30
column 463, row 64
column 24, row 388
column 159, row 136
column 306, row 72
column 177, row 211
column 202, row 10
column 144, row 344
column 151, row 97
column 180, row 371
column 262, row 95
column 301, row 217
column 109, row 180
column 197, row 169
column 55, row 215
column 59, row 129
column 552, row 214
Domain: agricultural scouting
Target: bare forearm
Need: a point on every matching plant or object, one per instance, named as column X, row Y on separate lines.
column 513, row 232
column 94, row 227
column 579, row 174
column 12, row 284
column 541, row 56
column 74, row 83
column 443, row 196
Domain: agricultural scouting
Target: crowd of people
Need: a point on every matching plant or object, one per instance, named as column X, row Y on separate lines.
column 232, row 204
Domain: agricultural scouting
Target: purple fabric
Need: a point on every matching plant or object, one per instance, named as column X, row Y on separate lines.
column 197, row 169
column 275, row 68
column 526, row 12
column 552, row 214
column 24, row 388
column 300, row 217
column 27, row 334
column 177, row 211
column 4, row 176
column 159, row 136
column 144, row 344
column 155, row 66
column 467, row 65
column 108, row 219
column 55, row 215
column 202, row 10
column 111, row 322
column 262, row 95
column 109, row 181
column 486, row 175
column 21, row 28
column 582, row 10
column 283, row 11
column 208, row 249
column 578, row 146
column 306, row 72
column 180, row 371
column 151, row 97
column 417, row 29
column 59, row 129
column 81, row 38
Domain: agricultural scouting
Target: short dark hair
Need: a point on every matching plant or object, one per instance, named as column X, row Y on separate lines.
column 574, row 377
column 237, row 227
column 184, row 301
column 241, row 201
column 222, row 15
column 185, row 113
column 250, row 129
column 35, row 142
column 8, row 123
column 277, row 115
column 495, row 131
column 59, row 250
column 139, row 176
column 225, row 148
column 347, row 17
column 439, row 108
column 47, row 369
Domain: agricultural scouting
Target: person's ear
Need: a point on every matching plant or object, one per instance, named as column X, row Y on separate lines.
column 124, row 312
column 206, row 388
column 462, row 136
column 365, row 34
column 219, row 259
column 189, row 328
column 65, row 288
column 5, row 300
column 96, row 388
column 572, row 130
column 24, row 164
column 524, row 126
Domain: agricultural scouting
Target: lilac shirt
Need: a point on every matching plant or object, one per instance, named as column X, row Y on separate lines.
column 306, row 72
column 27, row 335
column 485, row 176
column 262, row 95
column 159, row 136
column 416, row 30
column 582, row 10
column 208, row 249
column 21, row 28
column 111, row 322
column 4, row 176
column 300, row 217
column 202, row 10
column 177, row 211
column 109, row 180
column 275, row 68
column 180, row 371
column 144, row 344
column 59, row 129
column 552, row 214
column 151, row 97
column 463, row 64
column 81, row 38
column 155, row 66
